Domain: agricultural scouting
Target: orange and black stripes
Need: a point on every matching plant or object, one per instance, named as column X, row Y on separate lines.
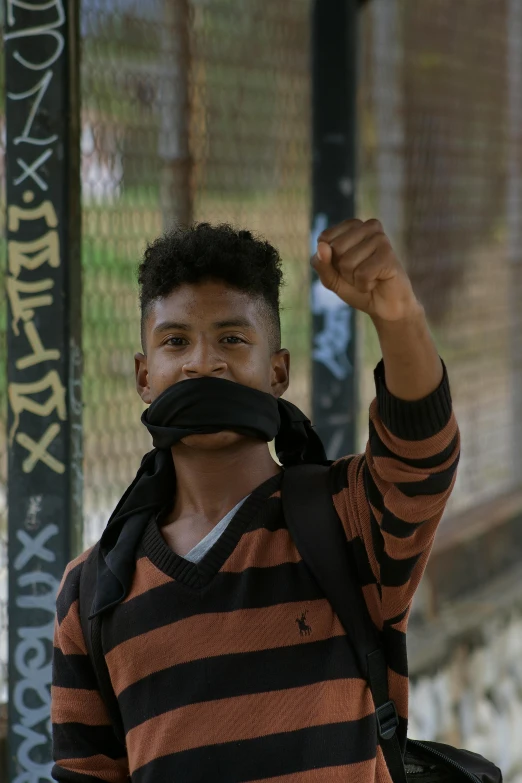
column 84, row 744
column 237, row 668
column 217, row 634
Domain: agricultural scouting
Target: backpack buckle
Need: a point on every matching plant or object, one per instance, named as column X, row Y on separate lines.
column 387, row 720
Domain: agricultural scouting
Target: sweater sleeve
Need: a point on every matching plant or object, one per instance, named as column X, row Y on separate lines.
column 391, row 498
column 85, row 748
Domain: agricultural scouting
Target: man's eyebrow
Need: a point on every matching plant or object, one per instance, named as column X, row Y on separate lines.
column 227, row 323
column 233, row 322
column 166, row 326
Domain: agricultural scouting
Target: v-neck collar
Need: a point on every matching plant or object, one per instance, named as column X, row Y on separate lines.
column 198, row 575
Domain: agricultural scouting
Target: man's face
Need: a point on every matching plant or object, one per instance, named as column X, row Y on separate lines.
column 209, row 330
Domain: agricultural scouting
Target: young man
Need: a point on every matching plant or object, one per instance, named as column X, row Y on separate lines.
column 227, row 661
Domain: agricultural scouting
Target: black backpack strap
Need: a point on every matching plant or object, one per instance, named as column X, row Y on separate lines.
column 319, row 536
column 92, row 634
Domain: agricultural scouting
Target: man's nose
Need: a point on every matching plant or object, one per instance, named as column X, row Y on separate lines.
column 204, row 361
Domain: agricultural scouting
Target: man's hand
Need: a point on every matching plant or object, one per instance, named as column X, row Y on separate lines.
column 356, row 261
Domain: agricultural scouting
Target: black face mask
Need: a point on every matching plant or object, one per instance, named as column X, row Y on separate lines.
column 206, row 405
column 193, row 407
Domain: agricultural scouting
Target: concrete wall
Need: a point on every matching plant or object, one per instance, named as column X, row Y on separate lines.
column 466, row 675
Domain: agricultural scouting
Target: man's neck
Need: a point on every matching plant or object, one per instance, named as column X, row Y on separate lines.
column 211, row 483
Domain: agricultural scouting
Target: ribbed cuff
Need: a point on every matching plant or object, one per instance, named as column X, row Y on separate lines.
column 417, row 419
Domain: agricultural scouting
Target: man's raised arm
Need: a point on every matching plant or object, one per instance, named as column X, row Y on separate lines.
column 391, row 499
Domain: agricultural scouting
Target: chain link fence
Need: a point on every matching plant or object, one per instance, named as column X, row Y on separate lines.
column 201, row 111
column 440, row 162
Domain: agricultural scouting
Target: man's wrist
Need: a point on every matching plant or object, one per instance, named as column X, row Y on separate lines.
column 413, row 365
column 414, row 316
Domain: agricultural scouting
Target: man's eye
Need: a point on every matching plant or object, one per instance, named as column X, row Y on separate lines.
column 233, row 340
column 175, row 341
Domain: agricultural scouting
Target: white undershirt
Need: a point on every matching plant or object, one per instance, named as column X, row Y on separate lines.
column 200, row 550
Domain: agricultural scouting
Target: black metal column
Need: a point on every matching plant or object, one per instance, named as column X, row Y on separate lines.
column 44, row 354
column 334, row 37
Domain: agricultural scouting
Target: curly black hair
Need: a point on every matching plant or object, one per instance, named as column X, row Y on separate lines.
column 204, row 252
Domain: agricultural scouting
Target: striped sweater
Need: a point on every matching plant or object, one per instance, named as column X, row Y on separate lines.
column 236, row 668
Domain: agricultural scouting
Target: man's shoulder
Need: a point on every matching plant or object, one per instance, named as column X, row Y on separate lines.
column 70, row 585
column 76, row 565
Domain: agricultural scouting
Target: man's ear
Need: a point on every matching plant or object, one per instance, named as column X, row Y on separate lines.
column 280, row 372
column 142, row 377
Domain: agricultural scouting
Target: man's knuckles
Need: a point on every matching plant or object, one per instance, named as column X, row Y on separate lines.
column 375, row 244
column 350, row 225
column 329, row 234
column 374, row 225
column 356, row 238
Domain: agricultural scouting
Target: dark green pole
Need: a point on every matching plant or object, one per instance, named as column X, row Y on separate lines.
column 334, row 37
column 43, row 355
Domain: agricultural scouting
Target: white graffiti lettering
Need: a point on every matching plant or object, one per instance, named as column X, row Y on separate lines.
column 30, row 170
column 39, row 91
column 34, row 547
column 35, row 506
column 31, row 32
column 12, row 4
column 34, row 772
column 320, row 224
column 331, row 344
column 31, row 695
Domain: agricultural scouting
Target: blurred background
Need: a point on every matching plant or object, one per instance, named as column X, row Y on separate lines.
column 439, row 161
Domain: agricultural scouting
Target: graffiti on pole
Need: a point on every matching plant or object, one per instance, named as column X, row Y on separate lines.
column 40, row 344
column 334, row 372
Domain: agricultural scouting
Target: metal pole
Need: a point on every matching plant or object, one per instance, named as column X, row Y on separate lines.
column 44, row 354
column 514, row 223
column 388, row 98
column 174, row 148
column 334, row 397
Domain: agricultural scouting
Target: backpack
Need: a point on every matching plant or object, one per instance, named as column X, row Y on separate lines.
column 319, row 536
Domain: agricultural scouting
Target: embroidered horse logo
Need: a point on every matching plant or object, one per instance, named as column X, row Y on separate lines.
column 304, row 629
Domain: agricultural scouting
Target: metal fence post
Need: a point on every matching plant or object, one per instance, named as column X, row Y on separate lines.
column 44, row 354
column 514, row 222
column 334, row 36
column 174, row 147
